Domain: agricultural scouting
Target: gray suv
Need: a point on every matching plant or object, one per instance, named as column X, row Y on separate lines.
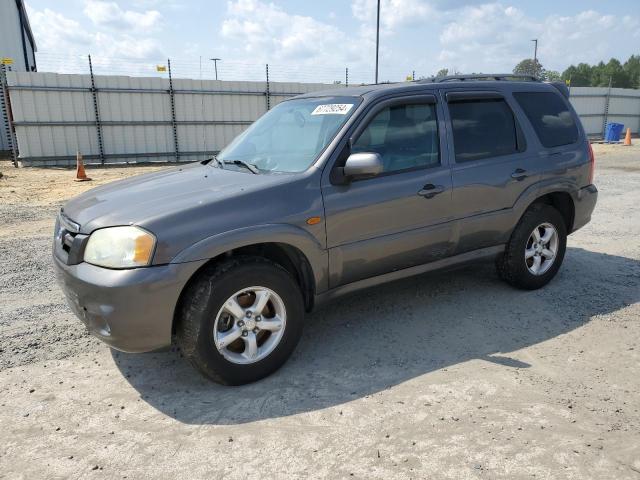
column 326, row 194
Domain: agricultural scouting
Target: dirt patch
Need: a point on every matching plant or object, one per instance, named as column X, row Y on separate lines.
column 47, row 186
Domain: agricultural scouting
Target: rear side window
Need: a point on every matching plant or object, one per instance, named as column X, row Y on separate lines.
column 482, row 129
column 550, row 117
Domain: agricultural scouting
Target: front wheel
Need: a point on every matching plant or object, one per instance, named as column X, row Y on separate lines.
column 535, row 250
column 240, row 320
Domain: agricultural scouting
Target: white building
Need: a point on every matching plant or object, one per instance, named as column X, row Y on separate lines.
column 17, row 48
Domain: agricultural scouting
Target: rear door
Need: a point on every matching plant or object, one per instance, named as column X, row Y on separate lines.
column 491, row 165
column 399, row 218
column 564, row 153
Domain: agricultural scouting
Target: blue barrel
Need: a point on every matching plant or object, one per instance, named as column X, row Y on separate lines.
column 613, row 131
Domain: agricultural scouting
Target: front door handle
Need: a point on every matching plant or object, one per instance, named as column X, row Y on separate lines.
column 430, row 190
column 520, row 174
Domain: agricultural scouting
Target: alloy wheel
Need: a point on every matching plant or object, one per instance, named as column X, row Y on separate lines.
column 249, row 325
column 541, row 249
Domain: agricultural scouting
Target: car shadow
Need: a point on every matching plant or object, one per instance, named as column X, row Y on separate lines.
column 381, row 337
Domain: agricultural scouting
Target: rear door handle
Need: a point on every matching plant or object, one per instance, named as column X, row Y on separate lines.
column 520, row 174
column 430, row 190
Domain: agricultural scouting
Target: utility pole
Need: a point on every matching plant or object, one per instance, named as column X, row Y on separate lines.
column 215, row 65
column 377, row 38
column 535, row 50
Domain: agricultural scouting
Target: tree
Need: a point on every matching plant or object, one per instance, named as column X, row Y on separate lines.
column 625, row 75
column 632, row 67
column 529, row 67
column 579, row 76
column 552, row 76
column 443, row 72
column 611, row 71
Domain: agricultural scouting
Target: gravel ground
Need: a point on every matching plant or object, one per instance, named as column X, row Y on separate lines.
column 451, row 375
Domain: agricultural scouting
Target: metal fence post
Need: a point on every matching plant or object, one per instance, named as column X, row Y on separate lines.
column 5, row 107
column 606, row 109
column 173, row 113
column 96, row 110
column 346, row 76
column 267, row 93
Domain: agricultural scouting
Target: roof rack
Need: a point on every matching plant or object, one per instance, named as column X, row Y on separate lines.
column 484, row 76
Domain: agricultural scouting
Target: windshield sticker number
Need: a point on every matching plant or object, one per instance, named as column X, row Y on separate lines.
column 332, row 109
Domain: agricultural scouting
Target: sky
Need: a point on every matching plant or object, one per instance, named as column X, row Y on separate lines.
column 317, row 40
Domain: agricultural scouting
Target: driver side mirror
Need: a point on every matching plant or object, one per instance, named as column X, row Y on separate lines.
column 363, row 165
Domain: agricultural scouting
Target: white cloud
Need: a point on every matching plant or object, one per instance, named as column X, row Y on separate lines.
column 494, row 36
column 265, row 32
column 394, row 13
column 111, row 15
column 63, row 44
column 425, row 35
column 486, row 38
column 55, row 32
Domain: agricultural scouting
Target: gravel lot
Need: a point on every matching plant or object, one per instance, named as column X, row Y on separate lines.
column 452, row 375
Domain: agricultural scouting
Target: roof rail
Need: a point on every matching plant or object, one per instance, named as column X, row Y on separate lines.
column 484, row 76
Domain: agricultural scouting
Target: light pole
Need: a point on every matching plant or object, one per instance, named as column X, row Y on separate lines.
column 535, row 50
column 377, row 38
column 215, row 65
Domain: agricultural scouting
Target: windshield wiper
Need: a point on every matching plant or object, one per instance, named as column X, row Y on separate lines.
column 213, row 159
column 249, row 166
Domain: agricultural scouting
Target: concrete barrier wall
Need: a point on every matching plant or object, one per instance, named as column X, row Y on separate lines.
column 118, row 119
column 597, row 106
column 134, row 119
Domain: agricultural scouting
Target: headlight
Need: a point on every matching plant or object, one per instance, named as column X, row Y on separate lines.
column 120, row 247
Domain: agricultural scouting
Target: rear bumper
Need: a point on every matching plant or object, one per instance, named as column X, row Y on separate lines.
column 584, row 202
column 130, row 310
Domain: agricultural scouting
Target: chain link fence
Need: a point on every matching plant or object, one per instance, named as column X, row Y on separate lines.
column 204, row 68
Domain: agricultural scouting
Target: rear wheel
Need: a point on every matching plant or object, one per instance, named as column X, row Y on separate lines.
column 240, row 320
column 535, row 250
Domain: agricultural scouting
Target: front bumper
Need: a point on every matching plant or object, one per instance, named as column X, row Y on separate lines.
column 585, row 203
column 130, row 310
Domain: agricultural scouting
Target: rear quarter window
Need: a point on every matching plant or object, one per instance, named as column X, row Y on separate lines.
column 550, row 117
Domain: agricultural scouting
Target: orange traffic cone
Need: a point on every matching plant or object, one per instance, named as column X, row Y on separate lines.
column 81, row 175
column 627, row 138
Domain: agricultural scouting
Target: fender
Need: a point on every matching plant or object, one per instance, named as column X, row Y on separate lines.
column 297, row 237
column 538, row 190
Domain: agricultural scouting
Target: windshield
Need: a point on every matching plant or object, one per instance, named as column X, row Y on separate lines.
column 290, row 137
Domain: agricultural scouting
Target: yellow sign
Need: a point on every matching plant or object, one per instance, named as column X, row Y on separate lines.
column 6, row 61
column 161, row 68
column 568, row 82
column 409, row 78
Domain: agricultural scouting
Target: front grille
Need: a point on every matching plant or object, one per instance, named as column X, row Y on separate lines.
column 67, row 240
column 67, row 224
column 69, row 243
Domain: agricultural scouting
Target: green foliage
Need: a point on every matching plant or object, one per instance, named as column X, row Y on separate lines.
column 625, row 75
column 552, row 76
column 443, row 72
column 632, row 67
column 529, row 67
column 580, row 76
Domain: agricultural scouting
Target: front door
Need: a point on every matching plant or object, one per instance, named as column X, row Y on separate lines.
column 399, row 218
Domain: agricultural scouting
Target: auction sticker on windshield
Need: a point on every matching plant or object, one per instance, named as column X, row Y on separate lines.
column 332, row 109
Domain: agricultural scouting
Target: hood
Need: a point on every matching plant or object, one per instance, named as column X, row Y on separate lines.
column 145, row 198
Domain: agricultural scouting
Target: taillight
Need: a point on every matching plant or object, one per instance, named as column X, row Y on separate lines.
column 592, row 164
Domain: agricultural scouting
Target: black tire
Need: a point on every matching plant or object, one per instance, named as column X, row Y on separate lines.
column 205, row 296
column 511, row 265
